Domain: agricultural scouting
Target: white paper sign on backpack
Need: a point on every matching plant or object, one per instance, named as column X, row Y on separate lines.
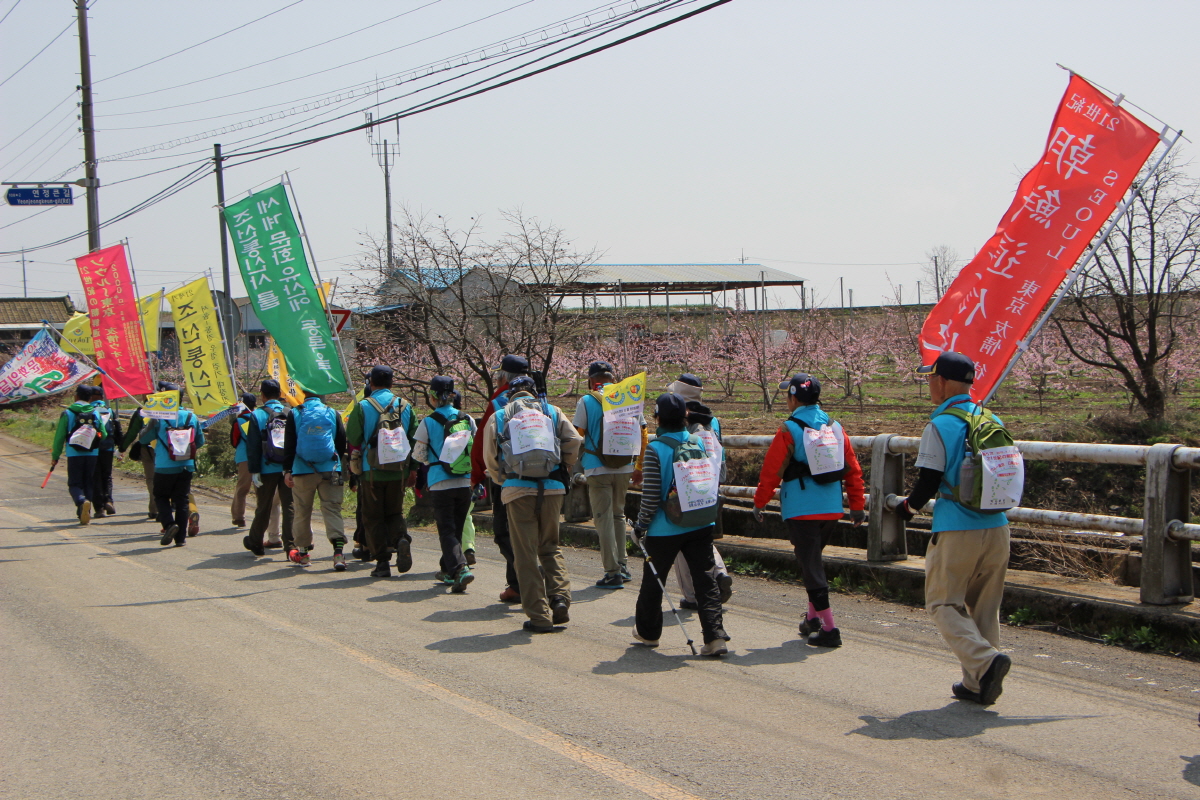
column 713, row 446
column 531, row 430
column 696, row 482
column 83, row 437
column 622, row 431
column 1003, row 478
column 393, row 445
column 454, row 445
column 181, row 442
column 825, row 448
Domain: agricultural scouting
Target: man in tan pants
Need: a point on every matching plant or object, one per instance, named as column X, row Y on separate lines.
column 967, row 557
column 533, row 504
column 314, row 451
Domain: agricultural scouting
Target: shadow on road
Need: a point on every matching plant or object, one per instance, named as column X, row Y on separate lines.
column 341, row 583
column 639, row 659
column 35, row 544
column 1191, row 773
column 792, row 652
column 958, row 720
column 411, row 596
column 180, row 600
column 239, row 560
column 480, row 614
column 480, row 642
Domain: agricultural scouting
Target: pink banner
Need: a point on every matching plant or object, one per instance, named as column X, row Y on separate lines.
column 116, row 322
column 1094, row 152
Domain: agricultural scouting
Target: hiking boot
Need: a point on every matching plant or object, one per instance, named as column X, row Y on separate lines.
column 193, row 523
column 644, row 640
column 253, row 547
column 459, row 584
column 823, row 638
column 271, row 544
column 689, row 605
column 532, row 627
column 109, row 509
column 810, row 626
column 611, row 582
column 510, row 595
column 361, row 553
column 239, row 523
column 442, row 577
column 339, row 562
column 626, row 575
column 469, row 555
column 168, row 535
column 98, row 513
column 725, row 586
column 961, row 692
column 181, row 542
column 403, row 556
column 382, row 570
column 715, row 649
column 85, row 512
column 560, row 610
column 992, row 682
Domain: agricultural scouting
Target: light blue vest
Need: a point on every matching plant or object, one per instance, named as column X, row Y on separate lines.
column 812, row 497
column 660, row 525
column 591, row 439
column 162, row 451
column 314, row 411
column 548, row 483
column 437, row 436
column 947, row 514
column 268, row 467
column 239, row 452
column 371, row 419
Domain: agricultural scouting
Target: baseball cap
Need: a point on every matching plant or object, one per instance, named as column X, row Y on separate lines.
column 249, row 400
column 601, row 367
column 269, row 386
column 513, row 364
column 441, row 384
column 804, row 387
column 670, row 408
column 523, row 383
column 952, row 367
column 380, row 375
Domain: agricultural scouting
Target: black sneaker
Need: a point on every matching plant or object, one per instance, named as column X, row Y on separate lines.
column 109, row 508
column 459, row 583
column 992, row 682
column 469, row 555
column 382, row 570
column 532, row 627
column 168, row 535
column 725, row 586
column 252, row 547
column 626, row 575
column 810, row 626
column 961, row 692
column 403, row 556
column 613, row 581
column 361, row 553
column 689, row 605
column 823, row 638
column 559, row 609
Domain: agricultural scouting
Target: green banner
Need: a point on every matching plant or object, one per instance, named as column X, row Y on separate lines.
column 277, row 277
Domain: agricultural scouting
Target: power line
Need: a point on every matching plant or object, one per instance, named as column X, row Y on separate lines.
column 48, row 113
column 31, row 216
column 57, row 125
column 10, row 10
column 70, row 132
column 198, row 44
column 38, row 53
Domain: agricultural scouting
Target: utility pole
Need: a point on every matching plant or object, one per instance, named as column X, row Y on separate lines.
column 227, row 303
column 937, row 280
column 24, row 284
column 842, row 290
column 918, row 293
column 385, row 154
column 91, row 182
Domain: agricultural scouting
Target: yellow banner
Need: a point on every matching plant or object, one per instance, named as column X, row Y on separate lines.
column 78, row 329
column 161, row 405
column 358, row 398
column 201, row 351
column 627, row 393
column 277, row 369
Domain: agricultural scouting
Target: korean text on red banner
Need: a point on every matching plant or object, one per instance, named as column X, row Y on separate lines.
column 116, row 321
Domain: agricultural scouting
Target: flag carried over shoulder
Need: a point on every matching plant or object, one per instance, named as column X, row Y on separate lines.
column 78, row 329
column 201, row 348
column 39, row 370
column 116, row 322
column 1092, row 156
column 281, row 287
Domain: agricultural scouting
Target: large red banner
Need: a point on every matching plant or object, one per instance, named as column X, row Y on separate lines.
column 116, row 322
column 1092, row 156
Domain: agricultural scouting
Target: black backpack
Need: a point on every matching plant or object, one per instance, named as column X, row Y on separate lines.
column 276, row 424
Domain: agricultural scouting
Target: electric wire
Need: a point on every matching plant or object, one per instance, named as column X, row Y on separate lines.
column 53, row 155
column 57, row 125
column 10, row 10
column 31, row 127
column 69, row 132
column 198, row 44
column 31, row 216
column 38, row 53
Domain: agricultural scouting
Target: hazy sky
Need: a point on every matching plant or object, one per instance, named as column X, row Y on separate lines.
column 825, row 139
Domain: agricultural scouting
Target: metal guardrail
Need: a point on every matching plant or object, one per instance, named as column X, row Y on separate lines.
column 1166, row 535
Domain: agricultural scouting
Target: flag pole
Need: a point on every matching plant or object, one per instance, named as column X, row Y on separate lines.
column 1075, row 273
column 225, row 343
column 62, row 339
column 287, row 181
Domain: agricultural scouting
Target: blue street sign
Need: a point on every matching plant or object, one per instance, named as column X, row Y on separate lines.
column 45, row 196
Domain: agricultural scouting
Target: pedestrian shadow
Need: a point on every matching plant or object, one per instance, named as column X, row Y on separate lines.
column 480, row 642
column 1191, row 773
column 140, row 551
column 792, row 652
column 495, row 611
column 236, row 560
column 341, row 583
column 33, row 544
column 410, row 596
column 180, row 600
column 590, row 594
column 628, row 622
column 639, row 659
column 958, row 720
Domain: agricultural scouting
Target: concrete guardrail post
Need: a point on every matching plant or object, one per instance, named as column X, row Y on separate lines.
column 885, row 528
column 1166, row 563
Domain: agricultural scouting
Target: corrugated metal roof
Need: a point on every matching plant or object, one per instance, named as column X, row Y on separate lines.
column 705, row 274
column 32, row 310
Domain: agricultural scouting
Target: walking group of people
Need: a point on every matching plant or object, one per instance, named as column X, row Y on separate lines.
column 525, row 454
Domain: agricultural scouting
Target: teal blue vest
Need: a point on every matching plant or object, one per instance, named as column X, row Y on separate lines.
column 660, row 525
column 811, row 498
column 947, row 514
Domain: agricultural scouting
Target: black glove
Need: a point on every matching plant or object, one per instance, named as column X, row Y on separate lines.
column 857, row 516
column 904, row 511
column 637, row 534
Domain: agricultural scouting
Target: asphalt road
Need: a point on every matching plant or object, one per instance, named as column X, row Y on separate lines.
column 135, row 671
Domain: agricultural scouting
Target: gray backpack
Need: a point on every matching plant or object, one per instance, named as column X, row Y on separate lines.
column 527, row 434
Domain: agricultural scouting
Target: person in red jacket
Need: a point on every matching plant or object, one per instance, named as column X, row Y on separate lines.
column 511, row 366
column 812, row 458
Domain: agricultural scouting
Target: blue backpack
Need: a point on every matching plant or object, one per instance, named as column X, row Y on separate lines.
column 315, row 429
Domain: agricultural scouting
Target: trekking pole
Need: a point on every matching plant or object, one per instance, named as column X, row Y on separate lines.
column 650, row 563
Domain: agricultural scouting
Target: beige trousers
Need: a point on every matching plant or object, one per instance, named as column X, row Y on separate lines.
column 607, row 496
column 304, row 489
column 537, row 556
column 964, row 584
column 238, row 509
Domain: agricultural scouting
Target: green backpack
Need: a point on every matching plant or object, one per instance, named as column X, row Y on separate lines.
column 681, row 452
column 992, row 475
column 456, row 436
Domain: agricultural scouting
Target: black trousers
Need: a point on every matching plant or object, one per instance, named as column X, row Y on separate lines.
column 103, row 485
column 81, row 477
column 171, row 496
column 264, row 496
column 500, row 535
column 382, row 504
column 809, row 537
column 450, row 513
column 697, row 549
